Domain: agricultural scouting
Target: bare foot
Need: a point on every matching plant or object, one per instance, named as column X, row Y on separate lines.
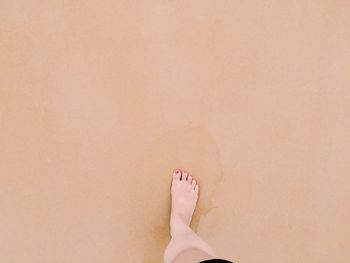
column 184, row 196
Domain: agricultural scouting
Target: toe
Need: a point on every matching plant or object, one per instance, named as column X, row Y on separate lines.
column 196, row 189
column 184, row 175
column 189, row 179
column 194, row 183
column 177, row 175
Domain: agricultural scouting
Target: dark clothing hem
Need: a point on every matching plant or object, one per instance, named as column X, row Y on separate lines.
column 216, row 260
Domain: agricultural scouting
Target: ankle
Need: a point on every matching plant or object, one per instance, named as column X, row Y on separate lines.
column 177, row 218
column 179, row 226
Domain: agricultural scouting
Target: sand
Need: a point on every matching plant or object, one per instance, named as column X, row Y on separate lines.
column 101, row 100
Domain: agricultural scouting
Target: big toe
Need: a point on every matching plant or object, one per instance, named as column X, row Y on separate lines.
column 177, row 175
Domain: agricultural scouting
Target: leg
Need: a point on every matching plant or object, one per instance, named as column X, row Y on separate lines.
column 185, row 245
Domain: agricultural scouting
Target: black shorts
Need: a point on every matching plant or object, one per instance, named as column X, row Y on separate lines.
column 216, row 261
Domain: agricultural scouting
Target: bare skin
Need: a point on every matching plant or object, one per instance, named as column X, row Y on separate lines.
column 185, row 245
column 184, row 196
